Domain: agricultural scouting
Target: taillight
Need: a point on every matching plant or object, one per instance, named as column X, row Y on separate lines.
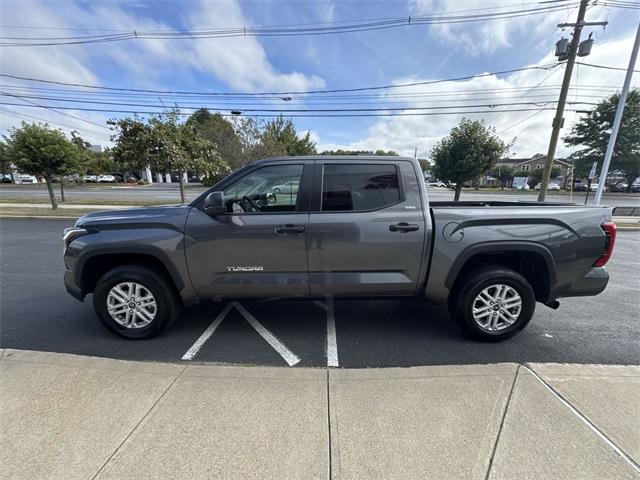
column 610, row 231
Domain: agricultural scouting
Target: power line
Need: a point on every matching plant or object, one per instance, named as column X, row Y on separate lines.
column 606, row 67
column 256, row 94
column 294, row 30
column 226, row 103
column 523, row 120
column 295, row 115
column 21, row 116
column 51, row 109
column 300, row 110
column 74, row 93
column 502, row 5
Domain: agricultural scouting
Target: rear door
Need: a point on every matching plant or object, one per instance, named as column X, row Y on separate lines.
column 366, row 229
column 258, row 248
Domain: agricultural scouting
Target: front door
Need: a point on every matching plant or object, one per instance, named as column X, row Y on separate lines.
column 258, row 248
column 367, row 229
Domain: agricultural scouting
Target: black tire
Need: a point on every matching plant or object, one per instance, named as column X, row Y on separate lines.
column 276, row 190
column 167, row 301
column 462, row 300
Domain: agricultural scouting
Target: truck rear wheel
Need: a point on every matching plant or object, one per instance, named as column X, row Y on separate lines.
column 492, row 303
column 135, row 301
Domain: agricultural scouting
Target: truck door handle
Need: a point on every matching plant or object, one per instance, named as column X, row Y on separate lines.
column 404, row 227
column 289, row 228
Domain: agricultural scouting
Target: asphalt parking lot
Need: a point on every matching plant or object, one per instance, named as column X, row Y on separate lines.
column 36, row 313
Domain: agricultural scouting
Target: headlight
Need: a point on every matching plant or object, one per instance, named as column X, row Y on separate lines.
column 70, row 234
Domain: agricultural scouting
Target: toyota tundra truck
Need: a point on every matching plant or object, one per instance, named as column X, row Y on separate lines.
column 356, row 227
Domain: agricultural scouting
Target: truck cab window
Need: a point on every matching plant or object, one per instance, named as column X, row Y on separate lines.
column 268, row 189
column 359, row 187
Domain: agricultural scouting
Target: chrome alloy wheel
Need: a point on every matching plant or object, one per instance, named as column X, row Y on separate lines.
column 497, row 307
column 131, row 305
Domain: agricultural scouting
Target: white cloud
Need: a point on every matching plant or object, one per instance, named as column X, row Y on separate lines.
column 484, row 37
column 241, row 63
column 403, row 134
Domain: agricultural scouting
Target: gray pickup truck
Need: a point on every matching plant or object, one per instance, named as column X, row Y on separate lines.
column 341, row 227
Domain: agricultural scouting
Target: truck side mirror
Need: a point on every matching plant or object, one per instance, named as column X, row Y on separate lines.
column 214, row 203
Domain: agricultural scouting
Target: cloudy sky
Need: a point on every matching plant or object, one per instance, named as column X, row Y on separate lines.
column 244, row 65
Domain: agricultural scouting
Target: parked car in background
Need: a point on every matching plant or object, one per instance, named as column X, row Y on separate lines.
column 5, row 178
column 90, row 178
column 27, row 179
column 618, row 187
column 286, row 187
column 553, row 186
column 583, row 187
column 106, row 179
column 635, row 188
column 437, row 184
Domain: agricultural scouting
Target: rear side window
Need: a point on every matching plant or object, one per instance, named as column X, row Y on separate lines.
column 359, row 187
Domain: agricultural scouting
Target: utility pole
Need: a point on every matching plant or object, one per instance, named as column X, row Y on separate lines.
column 617, row 119
column 558, row 120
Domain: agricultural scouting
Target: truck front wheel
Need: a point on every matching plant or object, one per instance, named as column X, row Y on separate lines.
column 135, row 301
column 492, row 303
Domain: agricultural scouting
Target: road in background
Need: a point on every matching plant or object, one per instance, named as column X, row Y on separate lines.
column 36, row 313
column 170, row 193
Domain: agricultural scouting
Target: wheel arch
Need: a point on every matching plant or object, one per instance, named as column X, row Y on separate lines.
column 533, row 261
column 94, row 265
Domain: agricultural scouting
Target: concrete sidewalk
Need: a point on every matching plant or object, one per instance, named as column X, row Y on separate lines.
column 73, row 417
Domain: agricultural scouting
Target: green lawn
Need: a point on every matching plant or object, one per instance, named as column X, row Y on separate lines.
column 90, row 201
column 42, row 212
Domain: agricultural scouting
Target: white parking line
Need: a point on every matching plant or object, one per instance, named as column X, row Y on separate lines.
column 332, row 339
column 207, row 333
column 289, row 357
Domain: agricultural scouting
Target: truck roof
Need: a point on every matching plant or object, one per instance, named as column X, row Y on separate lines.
column 375, row 158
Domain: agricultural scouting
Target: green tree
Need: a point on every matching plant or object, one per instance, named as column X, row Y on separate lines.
column 221, row 132
column 591, row 133
column 468, row 152
column 283, row 131
column 36, row 149
column 254, row 145
column 5, row 161
column 132, row 137
column 93, row 163
column 179, row 147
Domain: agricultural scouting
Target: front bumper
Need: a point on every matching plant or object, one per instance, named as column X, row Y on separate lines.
column 72, row 287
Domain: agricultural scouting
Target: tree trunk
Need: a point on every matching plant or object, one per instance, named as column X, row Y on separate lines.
column 62, row 197
column 458, row 190
column 183, row 197
column 630, row 181
column 52, row 197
